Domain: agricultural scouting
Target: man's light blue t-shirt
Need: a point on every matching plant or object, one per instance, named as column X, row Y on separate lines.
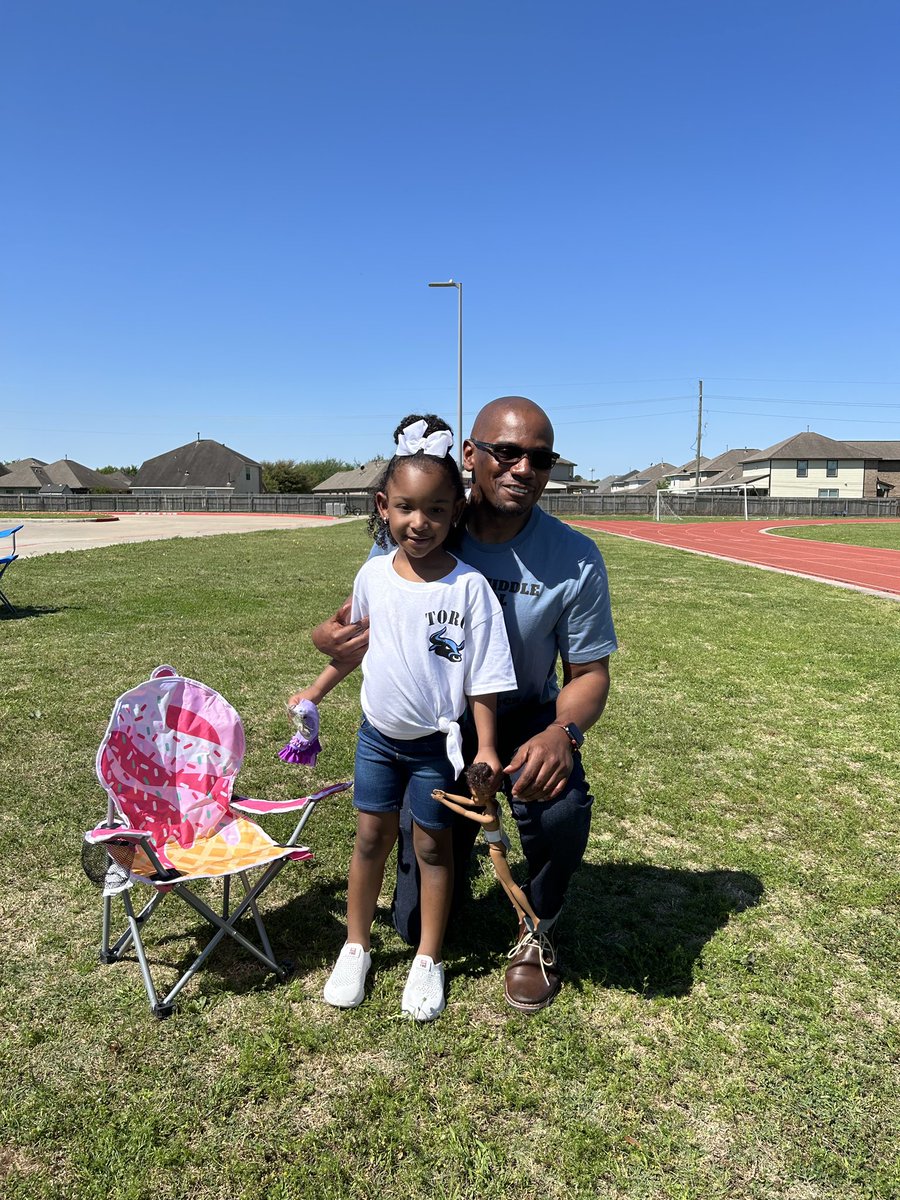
column 551, row 582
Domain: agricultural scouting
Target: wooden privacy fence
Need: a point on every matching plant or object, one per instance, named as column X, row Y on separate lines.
column 758, row 508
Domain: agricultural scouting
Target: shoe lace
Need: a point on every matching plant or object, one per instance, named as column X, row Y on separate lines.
column 535, row 937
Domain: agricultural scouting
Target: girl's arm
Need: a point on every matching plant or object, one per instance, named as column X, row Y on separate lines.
column 343, row 663
column 328, row 680
column 484, row 713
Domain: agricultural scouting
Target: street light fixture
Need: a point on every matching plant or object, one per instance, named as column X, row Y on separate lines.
column 459, row 432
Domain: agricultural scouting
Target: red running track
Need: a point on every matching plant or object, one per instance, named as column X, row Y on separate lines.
column 862, row 567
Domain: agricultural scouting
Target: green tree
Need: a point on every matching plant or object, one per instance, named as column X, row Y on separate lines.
column 289, row 475
column 131, row 471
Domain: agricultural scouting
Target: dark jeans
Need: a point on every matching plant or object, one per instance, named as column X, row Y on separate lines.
column 553, row 834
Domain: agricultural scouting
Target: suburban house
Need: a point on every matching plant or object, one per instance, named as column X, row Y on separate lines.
column 33, row 477
column 641, row 482
column 356, row 484
column 809, row 464
column 724, row 473
column 686, row 476
column 200, row 466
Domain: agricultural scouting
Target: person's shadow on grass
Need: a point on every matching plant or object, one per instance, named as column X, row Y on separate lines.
column 632, row 926
column 24, row 611
column 306, row 932
column 625, row 925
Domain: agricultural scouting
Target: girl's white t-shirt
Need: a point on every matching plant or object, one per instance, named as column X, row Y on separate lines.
column 430, row 646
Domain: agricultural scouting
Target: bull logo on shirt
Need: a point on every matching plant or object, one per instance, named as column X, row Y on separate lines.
column 445, row 647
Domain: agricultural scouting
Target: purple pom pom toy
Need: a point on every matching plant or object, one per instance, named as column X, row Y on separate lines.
column 304, row 747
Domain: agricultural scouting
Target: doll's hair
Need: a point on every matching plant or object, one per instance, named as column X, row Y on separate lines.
column 377, row 525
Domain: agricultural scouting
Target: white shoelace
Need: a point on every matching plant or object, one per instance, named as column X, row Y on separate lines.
column 535, row 937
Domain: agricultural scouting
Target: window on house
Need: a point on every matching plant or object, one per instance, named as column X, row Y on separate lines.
column 248, row 476
column 829, row 493
column 802, row 468
column 831, row 468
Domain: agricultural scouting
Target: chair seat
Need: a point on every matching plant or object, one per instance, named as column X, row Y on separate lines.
column 237, row 844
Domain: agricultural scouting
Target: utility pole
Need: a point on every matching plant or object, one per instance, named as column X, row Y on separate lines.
column 699, row 435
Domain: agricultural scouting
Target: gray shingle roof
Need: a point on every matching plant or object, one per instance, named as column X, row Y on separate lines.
column 359, row 479
column 650, row 475
column 729, row 458
column 203, row 463
column 807, row 445
column 879, row 449
column 65, row 472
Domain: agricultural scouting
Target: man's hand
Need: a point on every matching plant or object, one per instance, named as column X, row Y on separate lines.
column 340, row 640
column 545, row 763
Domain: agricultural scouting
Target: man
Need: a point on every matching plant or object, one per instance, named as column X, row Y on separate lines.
column 552, row 584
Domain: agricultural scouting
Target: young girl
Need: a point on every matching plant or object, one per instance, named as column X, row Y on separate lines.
column 436, row 639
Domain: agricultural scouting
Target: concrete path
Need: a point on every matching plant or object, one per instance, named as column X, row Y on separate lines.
column 48, row 536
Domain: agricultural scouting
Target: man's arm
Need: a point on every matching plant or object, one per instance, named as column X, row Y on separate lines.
column 545, row 761
column 339, row 639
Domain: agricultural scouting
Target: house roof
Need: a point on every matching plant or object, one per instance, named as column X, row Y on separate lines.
column 602, row 485
column 359, row 479
column 807, row 445
column 199, row 464
column 65, row 472
column 116, row 480
column 649, row 477
column 733, row 478
column 729, row 458
column 879, row 449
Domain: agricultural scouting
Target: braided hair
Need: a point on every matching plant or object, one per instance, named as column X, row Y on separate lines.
column 377, row 525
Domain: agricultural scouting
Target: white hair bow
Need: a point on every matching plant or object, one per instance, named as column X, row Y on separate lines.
column 412, row 439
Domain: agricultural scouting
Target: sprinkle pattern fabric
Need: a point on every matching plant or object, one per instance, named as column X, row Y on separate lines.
column 168, row 763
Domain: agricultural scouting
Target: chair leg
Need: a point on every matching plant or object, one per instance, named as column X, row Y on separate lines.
column 6, row 604
column 158, row 1007
column 163, row 1006
column 260, row 928
column 105, row 955
column 115, row 952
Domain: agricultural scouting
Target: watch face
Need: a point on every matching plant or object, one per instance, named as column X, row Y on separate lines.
column 575, row 734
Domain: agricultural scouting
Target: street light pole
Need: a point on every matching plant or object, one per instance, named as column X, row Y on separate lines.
column 459, row 429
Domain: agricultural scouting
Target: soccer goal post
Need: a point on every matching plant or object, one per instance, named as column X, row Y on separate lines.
column 663, row 508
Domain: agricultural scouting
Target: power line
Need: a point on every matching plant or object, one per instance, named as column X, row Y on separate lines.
column 728, row 412
column 843, row 382
column 823, row 403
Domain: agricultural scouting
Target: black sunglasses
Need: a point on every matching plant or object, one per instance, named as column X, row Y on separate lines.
column 507, row 453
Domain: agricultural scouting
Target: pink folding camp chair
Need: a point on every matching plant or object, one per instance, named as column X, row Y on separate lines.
column 168, row 762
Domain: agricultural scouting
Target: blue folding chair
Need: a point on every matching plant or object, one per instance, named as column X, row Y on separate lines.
column 5, row 562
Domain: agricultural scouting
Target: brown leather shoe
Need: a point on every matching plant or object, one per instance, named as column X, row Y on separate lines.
column 533, row 976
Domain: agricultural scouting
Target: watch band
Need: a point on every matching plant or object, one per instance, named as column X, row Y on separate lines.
column 572, row 732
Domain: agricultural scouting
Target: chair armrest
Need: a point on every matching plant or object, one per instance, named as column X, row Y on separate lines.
column 246, row 804
column 121, row 833
column 118, row 833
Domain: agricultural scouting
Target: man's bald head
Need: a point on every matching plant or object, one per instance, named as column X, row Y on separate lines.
column 506, row 411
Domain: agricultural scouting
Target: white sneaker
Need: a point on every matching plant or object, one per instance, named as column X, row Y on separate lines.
column 423, row 996
column 347, row 983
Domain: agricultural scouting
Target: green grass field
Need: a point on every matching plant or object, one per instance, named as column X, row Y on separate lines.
column 729, row 1025
column 884, row 537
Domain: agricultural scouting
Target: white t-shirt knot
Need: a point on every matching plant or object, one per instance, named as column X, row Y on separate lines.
column 454, row 742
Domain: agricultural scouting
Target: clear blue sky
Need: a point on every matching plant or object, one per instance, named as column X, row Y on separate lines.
column 220, row 217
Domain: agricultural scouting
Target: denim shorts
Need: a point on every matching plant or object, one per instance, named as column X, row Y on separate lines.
column 388, row 769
